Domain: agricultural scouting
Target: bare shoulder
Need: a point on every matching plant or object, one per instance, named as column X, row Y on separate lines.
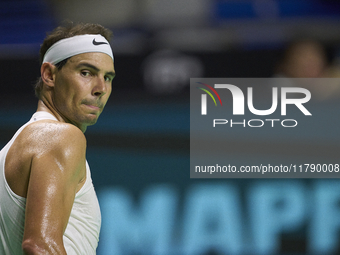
column 52, row 139
column 49, row 134
column 45, row 145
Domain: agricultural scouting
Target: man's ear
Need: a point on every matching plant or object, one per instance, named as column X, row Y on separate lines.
column 48, row 72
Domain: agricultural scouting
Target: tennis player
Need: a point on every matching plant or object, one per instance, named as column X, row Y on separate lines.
column 48, row 204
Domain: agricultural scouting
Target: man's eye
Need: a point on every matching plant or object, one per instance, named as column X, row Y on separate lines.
column 108, row 79
column 85, row 73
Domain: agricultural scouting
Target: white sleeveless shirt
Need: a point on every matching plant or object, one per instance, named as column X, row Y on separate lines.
column 82, row 232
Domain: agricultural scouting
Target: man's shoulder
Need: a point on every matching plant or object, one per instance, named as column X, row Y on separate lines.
column 52, row 133
column 45, row 146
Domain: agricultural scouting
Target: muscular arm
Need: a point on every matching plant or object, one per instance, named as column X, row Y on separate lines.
column 57, row 168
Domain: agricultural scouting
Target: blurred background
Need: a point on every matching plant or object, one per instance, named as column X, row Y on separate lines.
column 139, row 151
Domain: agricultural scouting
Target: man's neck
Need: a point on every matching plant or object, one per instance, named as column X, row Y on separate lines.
column 44, row 106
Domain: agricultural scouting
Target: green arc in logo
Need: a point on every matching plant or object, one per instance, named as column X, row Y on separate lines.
column 209, row 95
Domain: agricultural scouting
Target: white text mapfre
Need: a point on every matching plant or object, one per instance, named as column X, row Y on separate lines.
column 238, row 100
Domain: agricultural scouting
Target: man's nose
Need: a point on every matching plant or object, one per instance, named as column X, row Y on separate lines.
column 100, row 87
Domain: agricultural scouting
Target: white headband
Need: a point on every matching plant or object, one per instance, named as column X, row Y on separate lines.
column 75, row 45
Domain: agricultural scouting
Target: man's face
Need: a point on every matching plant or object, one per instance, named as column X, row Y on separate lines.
column 82, row 88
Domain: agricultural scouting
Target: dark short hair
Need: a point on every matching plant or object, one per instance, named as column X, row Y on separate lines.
column 68, row 30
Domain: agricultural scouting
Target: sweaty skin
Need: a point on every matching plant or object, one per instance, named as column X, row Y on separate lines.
column 51, row 166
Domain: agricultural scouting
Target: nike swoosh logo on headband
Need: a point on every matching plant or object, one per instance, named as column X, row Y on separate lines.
column 98, row 43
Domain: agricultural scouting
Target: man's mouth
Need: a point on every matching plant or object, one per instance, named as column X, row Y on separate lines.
column 94, row 107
